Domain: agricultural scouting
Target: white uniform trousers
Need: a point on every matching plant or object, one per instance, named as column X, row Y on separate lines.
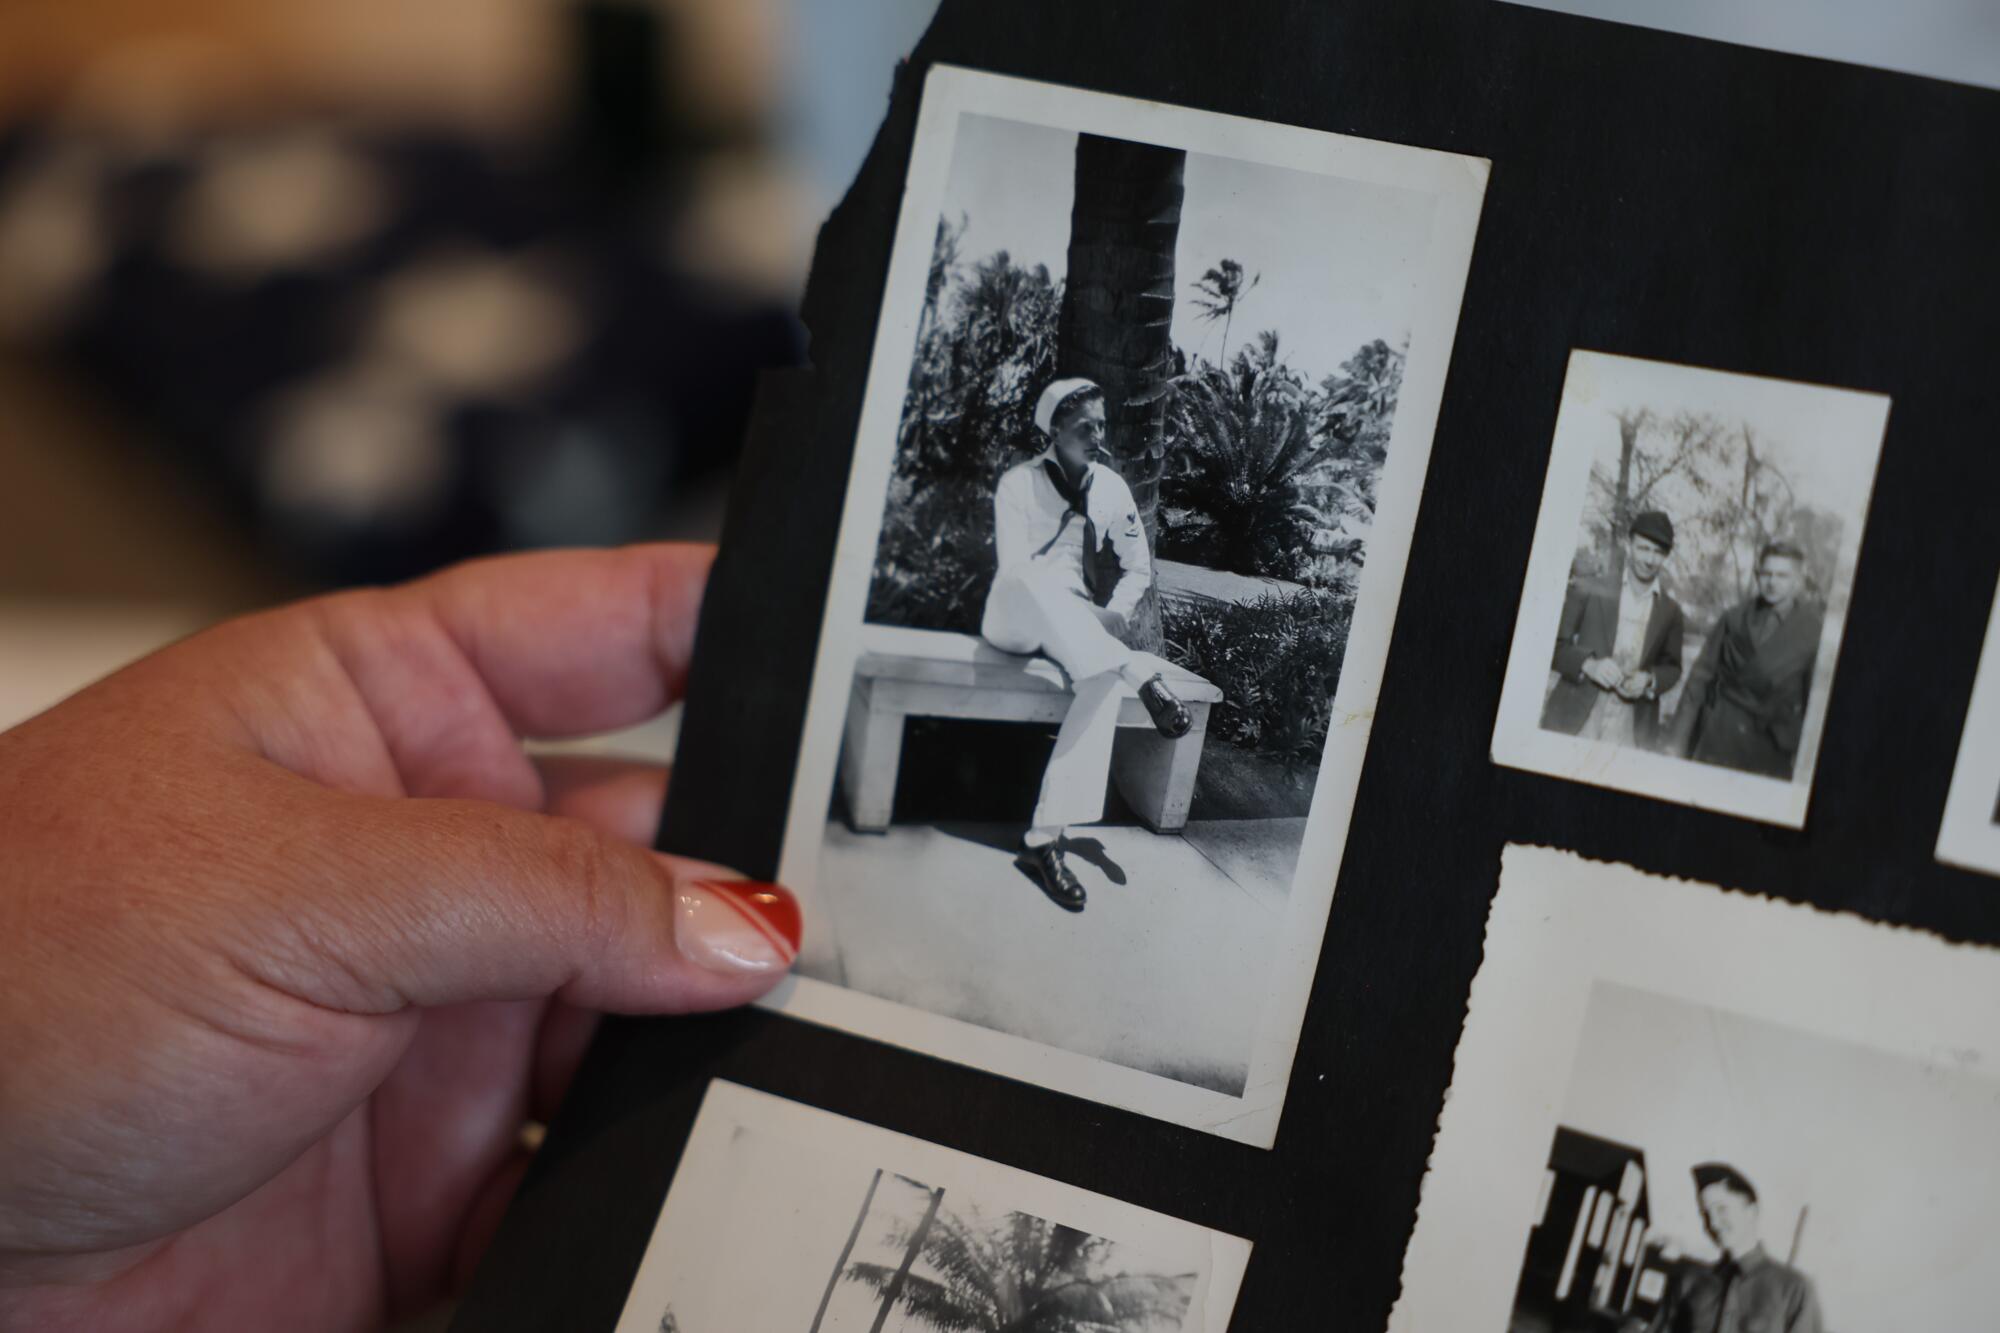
column 1034, row 608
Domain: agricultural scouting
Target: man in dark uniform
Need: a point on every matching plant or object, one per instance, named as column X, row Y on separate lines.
column 1747, row 695
column 1748, row 1291
column 1618, row 646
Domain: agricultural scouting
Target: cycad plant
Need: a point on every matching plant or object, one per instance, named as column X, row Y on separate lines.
column 1245, row 443
column 1024, row 1274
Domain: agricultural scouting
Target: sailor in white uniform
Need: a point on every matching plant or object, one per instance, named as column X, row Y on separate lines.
column 1061, row 522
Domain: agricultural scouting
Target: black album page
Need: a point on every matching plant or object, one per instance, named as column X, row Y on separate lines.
column 1257, row 466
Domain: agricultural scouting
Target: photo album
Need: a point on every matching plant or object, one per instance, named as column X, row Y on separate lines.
column 1371, row 649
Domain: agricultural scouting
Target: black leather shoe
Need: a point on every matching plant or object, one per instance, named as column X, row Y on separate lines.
column 1170, row 715
column 1058, row 881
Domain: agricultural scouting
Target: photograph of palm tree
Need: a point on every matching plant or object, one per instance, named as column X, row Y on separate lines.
column 1144, row 438
column 783, row 1217
column 956, row 1270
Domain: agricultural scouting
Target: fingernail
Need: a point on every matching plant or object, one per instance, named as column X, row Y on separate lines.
column 737, row 926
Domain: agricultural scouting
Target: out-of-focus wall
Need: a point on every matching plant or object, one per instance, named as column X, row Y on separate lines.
column 784, row 97
column 843, row 55
column 489, row 59
column 495, row 62
column 795, row 88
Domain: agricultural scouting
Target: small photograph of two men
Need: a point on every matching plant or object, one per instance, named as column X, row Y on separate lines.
column 1690, row 583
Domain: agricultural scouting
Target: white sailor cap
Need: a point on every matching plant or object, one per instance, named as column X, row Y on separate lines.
column 1054, row 397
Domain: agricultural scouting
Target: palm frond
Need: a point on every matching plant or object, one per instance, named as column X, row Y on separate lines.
column 928, row 1300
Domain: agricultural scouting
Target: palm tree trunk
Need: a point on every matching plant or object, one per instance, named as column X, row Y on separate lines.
column 1117, row 314
column 846, row 1251
column 894, row 1290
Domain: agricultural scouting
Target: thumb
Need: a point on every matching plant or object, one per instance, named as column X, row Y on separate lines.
column 399, row 902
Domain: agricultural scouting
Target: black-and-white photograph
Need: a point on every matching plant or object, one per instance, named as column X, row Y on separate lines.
column 1130, row 508
column 1969, row 836
column 1689, row 583
column 785, row 1219
column 1675, row 1110
column 1716, row 1174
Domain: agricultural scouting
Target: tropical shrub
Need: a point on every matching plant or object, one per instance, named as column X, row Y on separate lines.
column 1267, row 474
column 935, row 559
column 986, row 344
column 1357, row 406
column 1276, row 660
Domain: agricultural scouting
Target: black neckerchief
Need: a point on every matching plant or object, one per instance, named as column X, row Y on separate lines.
column 1077, row 497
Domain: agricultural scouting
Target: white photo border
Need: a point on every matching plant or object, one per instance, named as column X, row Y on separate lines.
column 683, row 1227
column 1458, row 183
column 1969, row 837
column 1519, row 740
column 1556, row 912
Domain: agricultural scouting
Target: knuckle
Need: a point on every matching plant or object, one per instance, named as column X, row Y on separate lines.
column 588, row 895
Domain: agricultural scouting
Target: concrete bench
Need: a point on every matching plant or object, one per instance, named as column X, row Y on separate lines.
column 931, row 673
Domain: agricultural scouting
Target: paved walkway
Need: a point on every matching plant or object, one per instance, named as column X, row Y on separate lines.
column 1164, row 970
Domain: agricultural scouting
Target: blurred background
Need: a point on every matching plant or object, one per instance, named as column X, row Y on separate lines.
column 295, row 295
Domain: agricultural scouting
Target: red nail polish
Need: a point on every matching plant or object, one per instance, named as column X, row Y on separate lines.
column 768, row 910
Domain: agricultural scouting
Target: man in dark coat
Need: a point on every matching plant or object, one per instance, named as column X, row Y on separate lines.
column 1618, row 646
column 1746, row 697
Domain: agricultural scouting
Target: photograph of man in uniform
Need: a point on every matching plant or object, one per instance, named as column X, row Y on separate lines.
column 1673, row 1112
column 1746, row 698
column 1129, row 503
column 1747, row 1291
column 1618, row 648
column 1072, row 566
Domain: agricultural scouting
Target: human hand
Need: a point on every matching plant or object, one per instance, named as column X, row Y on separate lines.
column 1114, row 622
column 295, row 937
column 1635, row 686
column 1603, row 673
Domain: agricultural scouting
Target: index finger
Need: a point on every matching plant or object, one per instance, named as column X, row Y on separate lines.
column 568, row 643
